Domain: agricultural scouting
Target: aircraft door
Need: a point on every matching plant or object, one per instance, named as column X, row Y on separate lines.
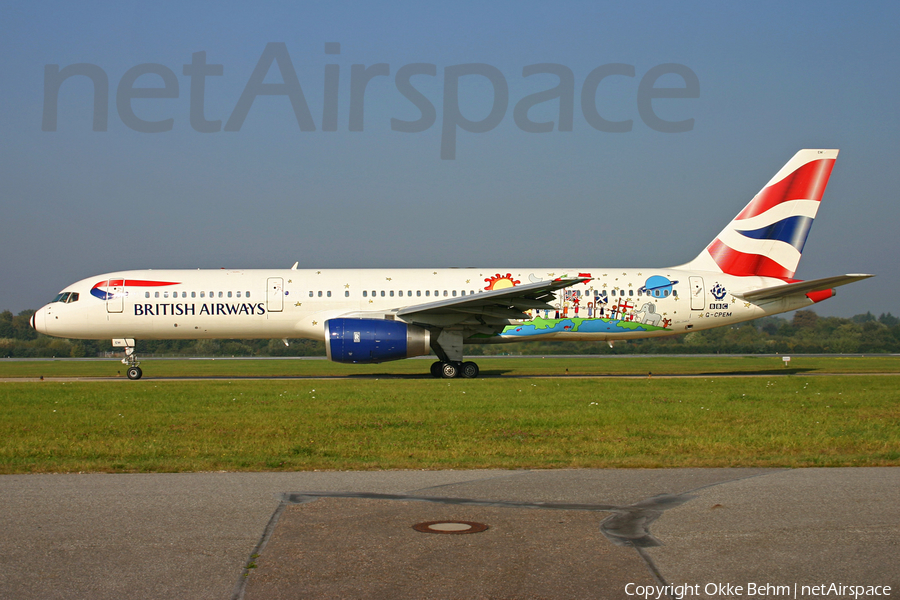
column 115, row 295
column 698, row 294
column 275, row 294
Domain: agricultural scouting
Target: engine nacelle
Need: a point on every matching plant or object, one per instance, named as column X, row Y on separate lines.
column 374, row 340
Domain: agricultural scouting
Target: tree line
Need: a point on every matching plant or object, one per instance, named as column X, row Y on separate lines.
column 804, row 333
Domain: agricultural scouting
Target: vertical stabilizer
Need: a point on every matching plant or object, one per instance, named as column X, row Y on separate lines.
column 766, row 239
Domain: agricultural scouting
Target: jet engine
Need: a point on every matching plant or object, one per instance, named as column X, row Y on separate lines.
column 374, row 340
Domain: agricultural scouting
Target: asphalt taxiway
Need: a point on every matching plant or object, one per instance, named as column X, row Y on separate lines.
column 449, row 534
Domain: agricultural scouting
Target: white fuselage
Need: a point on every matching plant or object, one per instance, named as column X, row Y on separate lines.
column 291, row 303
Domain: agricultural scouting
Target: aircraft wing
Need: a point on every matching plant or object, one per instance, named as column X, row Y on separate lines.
column 800, row 287
column 507, row 303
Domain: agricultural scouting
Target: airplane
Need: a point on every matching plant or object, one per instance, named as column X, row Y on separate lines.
column 379, row 315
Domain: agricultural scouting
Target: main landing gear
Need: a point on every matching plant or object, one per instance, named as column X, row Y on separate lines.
column 133, row 371
column 448, row 345
column 453, row 369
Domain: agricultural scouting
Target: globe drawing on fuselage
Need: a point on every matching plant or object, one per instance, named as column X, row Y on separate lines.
column 658, row 286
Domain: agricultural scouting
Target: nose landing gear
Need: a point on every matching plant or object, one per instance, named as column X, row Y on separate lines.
column 134, row 371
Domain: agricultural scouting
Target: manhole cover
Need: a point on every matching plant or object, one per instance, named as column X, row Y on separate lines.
column 450, row 527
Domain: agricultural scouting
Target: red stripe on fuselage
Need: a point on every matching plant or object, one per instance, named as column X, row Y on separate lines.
column 134, row 283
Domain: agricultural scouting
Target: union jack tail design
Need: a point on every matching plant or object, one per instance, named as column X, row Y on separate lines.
column 766, row 239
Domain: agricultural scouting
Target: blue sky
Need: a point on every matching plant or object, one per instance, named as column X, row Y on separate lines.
column 773, row 78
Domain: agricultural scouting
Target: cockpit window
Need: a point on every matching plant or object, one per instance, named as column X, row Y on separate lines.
column 66, row 297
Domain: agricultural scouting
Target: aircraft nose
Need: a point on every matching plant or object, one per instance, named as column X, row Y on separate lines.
column 38, row 320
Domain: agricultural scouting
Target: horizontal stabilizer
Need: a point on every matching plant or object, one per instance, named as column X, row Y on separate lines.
column 800, row 287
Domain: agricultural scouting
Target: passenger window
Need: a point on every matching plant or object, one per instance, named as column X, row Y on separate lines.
column 328, row 293
column 310, row 294
column 462, row 293
column 165, row 294
column 454, row 293
column 320, row 294
column 418, row 293
column 220, row 294
column 146, row 294
column 427, row 292
column 382, row 293
column 346, row 293
column 409, row 293
column 238, row 294
column 247, row 294
column 156, row 294
column 392, row 293
column 445, row 293
column 365, row 293
column 193, row 294
column 666, row 292
column 229, row 294
column 674, row 292
column 203, row 294
column 631, row 292
column 400, row 293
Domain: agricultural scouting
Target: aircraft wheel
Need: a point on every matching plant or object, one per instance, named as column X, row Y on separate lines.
column 134, row 372
column 469, row 370
column 449, row 370
column 436, row 369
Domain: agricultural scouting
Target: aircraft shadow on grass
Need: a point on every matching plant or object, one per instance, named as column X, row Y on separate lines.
column 497, row 373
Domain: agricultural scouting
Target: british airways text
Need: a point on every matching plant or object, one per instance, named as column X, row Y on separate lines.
column 179, row 309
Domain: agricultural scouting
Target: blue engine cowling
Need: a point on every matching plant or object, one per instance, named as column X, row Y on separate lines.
column 373, row 340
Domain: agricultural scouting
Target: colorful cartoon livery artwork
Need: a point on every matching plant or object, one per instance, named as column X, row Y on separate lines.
column 598, row 307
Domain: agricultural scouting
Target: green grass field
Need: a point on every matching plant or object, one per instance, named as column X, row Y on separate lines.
column 412, row 423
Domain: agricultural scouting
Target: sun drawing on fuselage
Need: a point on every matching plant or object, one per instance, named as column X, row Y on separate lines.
column 499, row 282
